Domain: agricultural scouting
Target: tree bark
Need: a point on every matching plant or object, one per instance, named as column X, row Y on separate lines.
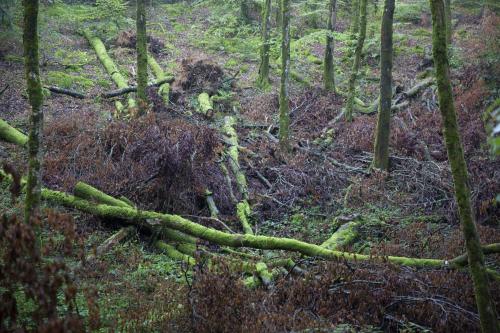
column 449, row 27
column 485, row 304
column 381, row 154
column 355, row 13
column 329, row 68
column 35, row 96
column 357, row 60
column 284, row 130
column 142, row 57
column 263, row 80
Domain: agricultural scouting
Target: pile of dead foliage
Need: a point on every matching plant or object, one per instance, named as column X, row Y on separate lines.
column 128, row 39
column 159, row 162
column 330, row 294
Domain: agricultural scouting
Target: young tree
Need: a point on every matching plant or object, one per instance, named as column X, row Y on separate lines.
column 285, row 73
column 485, row 304
column 329, row 69
column 357, row 59
column 142, row 57
column 381, row 156
column 263, row 80
column 35, row 96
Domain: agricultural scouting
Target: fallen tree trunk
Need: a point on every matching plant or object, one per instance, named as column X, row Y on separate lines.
column 345, row 235
column 205, row 105
column 188, row 227
column 109, row 243
column 231, row 138
column 164, row 88
column 110, row 67
column 123, row 91
column 68, row 92
column 182, row 225
column 11, row 134
column 400, row 101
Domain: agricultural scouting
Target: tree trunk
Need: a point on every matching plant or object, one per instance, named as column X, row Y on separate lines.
column 355, row 13
column 142, row 57
column 263, row 80
column 329, row 69
column 381, row 155
column 449, row 27
column 35, row 96
column 485, row 304
column 357, row 60
column 285, row 73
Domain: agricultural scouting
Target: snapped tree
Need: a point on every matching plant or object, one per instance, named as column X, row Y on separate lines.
column 485, row 304
column 35, row 96
column 381, row 154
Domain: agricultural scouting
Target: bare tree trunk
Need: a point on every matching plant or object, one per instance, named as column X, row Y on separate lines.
column 381, row 156
column 329, row 69
column 357, row 59
column 142, row 57
column 449, row 28
column 35, row 96
column 263, row 80
column 285, row 73
column 485, row 304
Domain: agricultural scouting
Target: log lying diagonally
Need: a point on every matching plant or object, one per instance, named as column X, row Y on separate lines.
column 110, row 67
column 164, row 88
column 184, row 229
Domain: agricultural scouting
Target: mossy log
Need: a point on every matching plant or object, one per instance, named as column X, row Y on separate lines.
column 185, row 226
column 345, row 235
column 231, row 138
column 188, row 227
column 110, row 67
column 164, row 88
column 205, row 104
column 11, row 134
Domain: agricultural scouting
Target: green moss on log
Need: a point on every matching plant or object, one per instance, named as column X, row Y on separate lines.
column 110, row 67
column 11, row 134
column 163, row 89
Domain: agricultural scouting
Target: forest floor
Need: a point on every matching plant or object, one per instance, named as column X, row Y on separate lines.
column 166, row 160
